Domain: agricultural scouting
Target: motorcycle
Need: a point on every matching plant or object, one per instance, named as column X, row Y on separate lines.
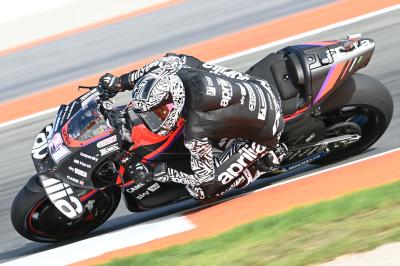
column 84, row 164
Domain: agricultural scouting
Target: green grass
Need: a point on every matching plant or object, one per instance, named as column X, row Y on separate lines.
column 303, row 236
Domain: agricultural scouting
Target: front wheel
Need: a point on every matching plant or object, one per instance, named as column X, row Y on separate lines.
column 36, row 218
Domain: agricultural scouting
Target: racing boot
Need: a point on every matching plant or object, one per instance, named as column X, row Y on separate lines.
column 273, row 158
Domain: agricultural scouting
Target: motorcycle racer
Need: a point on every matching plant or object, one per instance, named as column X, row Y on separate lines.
column 216, row 103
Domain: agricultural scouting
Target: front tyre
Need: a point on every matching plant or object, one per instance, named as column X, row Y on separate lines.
column 36, row 218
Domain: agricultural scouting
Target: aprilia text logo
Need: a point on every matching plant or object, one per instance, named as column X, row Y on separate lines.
column 226, row 91
column 247, row 157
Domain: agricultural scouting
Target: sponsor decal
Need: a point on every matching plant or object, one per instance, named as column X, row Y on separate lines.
column 106, row 141
column 248, row 154
column 252, row 97
column 86, row 165
column 143, row 195
column 87, row 156
column 242, row 92
column 219, row 70
column 209, row 81
column 135, row 187
column 77, row 171
column 226, row 92
column 57, row 150
column 39, row 149
column 210, row 87
column 310, row 138
column 73, row 179
column 109, row 149
column 262, row 111
column 277, row 105
column 61, row 195
column 304, row 162
column 210, row 91
column 154, row 187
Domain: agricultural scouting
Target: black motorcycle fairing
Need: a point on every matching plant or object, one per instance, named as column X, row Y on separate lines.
column 144, row 196
column 40, row 148
column 274, row 68
column 73, row 151
column 303, row 129
column 65, row 112
column 64, row 197
column 322, row 59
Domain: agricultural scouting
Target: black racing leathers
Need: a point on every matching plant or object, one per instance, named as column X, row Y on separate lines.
column 220, row 103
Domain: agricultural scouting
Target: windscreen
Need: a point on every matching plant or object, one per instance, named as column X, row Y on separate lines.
column 88, row 123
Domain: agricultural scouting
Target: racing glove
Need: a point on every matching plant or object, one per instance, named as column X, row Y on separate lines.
column 140, row 172
column 109, row 85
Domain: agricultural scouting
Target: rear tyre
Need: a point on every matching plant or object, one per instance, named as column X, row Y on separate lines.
column 36, row 218
column 361, row 100
column 366, row 121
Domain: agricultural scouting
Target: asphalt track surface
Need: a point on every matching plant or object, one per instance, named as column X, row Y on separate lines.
column 16, row 140
column 121, row 43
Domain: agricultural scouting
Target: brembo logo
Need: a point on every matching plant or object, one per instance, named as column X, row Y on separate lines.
column 247, row 157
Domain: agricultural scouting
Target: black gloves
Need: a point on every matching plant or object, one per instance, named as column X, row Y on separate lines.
column 140, row 172
column 109, row 85
column 143, row 173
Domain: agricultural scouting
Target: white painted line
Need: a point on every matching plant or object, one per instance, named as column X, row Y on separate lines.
column 99, row 245
column 329, row 169
column 252, row 50
column 28, row 117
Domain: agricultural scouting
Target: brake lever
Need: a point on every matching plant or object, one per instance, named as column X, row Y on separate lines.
column 86, row 87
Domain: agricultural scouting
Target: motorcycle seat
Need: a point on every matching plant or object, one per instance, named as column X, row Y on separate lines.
column 281, row 72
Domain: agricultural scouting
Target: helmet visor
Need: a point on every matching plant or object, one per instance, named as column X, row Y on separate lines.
column 154, row 119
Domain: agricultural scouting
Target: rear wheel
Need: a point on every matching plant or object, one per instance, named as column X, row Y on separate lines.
column 36, row 218
column 362, row 101
column 366, row 121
